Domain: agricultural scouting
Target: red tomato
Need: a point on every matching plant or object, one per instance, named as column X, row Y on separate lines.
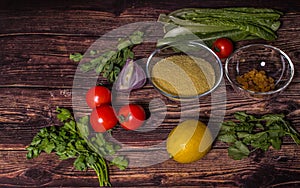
column 131, row 116
column 103, row 118
column 98, row 95
column 223, row 47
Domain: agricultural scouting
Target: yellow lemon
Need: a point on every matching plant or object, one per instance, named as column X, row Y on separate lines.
column 189, row 141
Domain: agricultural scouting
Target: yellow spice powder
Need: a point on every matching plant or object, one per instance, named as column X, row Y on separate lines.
column 182, row 75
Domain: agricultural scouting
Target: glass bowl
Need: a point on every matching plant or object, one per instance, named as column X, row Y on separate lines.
column 271, row 60
column 181, row 75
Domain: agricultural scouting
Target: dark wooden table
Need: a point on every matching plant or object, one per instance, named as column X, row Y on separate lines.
column 36, row 76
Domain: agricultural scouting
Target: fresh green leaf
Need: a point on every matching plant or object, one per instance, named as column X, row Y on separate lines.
column 85, row 67
column 234, row 23
column 136, row 39
column 241, row 135
column 276, row 143
column 80, row 145
column 256, row 133
column 243, row 117
column 70, row 141
column 49, row 147
column 110, row 148
column 99, row 140
column 91, row 160
column 94, row 62
column 109, row 63
column 64, row 114
column 238, row 151
column 36, row 140
column 124, row 44
column 82, row 126
column 79, row 163
column 71, row 125
column 76, row 57
column 35, row 152
column 229, row 138
column 29, row 154
column 120, row 161
column 102, row 151
column 275, row 133
column 228, row 126
column 100, row 67
column 272, row 118
column 60, row 148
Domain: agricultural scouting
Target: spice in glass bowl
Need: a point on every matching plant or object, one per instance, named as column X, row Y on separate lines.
column 182, row 75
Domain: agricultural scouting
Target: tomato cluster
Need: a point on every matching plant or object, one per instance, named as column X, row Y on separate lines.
column 103, row 116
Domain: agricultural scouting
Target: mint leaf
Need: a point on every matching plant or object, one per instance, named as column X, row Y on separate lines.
column 110, row 63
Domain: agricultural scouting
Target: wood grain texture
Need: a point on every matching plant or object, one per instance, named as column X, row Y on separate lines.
column 36, row 76
column 264, row 169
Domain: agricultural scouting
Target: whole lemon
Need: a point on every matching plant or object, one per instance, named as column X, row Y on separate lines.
column 189, row 141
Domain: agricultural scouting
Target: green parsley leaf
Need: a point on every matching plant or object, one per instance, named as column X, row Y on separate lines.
column 229, row 138
column 255, row 133
column 238, row 151
column 79, row 163
column 71, row 141
column 120, row 162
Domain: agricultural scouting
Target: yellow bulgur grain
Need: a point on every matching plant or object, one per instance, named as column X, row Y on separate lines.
column 182, row 75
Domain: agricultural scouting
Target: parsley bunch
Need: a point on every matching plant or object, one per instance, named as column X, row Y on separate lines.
column 70, row 141
column 110, row 63
column 255, row 133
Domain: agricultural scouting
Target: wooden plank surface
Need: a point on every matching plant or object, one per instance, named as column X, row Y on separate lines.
column 36, row 76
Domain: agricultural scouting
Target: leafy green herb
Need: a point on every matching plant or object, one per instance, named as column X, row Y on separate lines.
column 238, row 150
column 70, row 141
column 76, row 57
column 110, row 63
column 251, row 133
column 234, row 23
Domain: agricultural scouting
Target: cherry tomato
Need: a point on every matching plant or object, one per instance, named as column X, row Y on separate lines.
column 223, row 47
column 98, row 95
column 103, row 118
column 131, row 116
